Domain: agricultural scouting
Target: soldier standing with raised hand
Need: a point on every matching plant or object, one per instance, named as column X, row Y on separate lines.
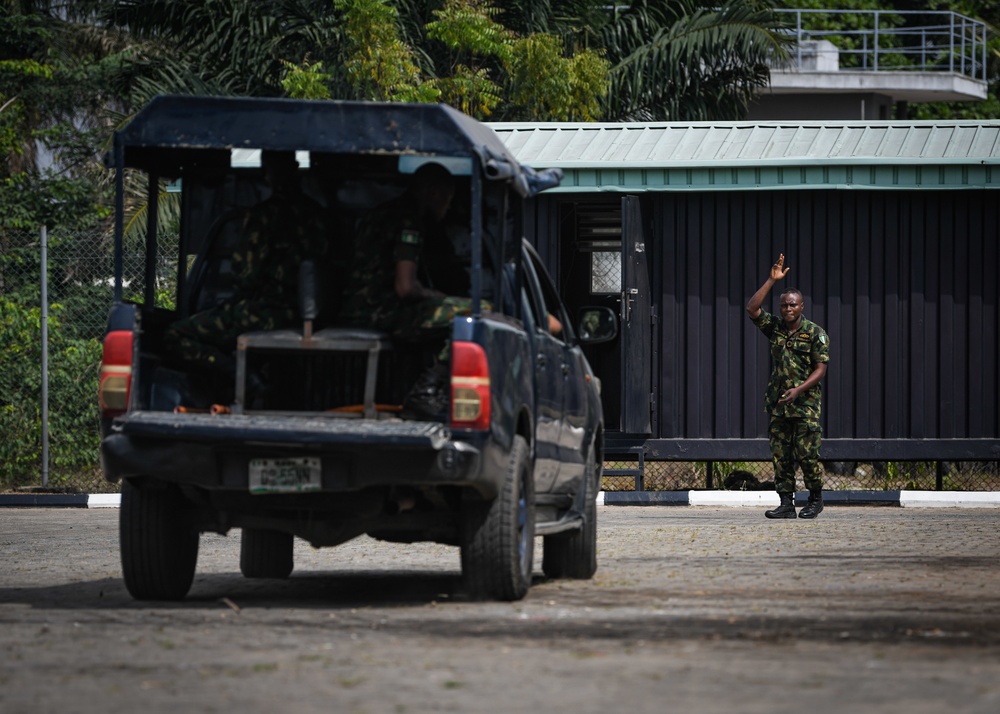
column 800, row 352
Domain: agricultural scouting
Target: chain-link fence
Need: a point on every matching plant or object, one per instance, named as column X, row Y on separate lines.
column 60, row 452
column 80, row 270
column 840, row 476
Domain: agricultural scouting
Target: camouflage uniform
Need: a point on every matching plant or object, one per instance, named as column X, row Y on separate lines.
column 277, row 236
column 794, row 432
column 391, row 234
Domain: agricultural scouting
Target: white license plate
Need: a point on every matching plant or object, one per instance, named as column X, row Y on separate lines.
column 285, row 475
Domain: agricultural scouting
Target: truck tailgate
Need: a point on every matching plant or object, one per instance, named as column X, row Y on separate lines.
column 304, row 430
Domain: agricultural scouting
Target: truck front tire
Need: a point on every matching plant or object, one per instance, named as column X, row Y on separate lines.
column 574, row 554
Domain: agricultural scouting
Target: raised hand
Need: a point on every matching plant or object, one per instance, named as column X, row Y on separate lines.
column 778, row 270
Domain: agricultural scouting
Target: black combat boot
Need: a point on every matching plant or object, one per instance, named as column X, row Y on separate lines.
column 786, row 509
column 813, row 506
column 428, row 399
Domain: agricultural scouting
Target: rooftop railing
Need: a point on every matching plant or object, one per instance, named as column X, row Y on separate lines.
column 896, row 40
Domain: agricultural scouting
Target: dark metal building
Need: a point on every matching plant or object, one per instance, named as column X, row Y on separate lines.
column 892, row 232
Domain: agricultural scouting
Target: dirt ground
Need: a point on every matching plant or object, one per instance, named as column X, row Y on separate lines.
column 692, row 610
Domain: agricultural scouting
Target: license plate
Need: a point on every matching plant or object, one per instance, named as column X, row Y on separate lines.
column 296, row 475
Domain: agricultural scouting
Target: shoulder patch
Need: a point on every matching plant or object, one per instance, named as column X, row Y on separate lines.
column 822, row 339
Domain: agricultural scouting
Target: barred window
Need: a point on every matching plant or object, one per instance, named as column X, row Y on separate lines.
column 605, row 272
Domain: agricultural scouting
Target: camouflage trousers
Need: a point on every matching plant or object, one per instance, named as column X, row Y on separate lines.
column 209, row 337
column 430, row 316
column 418, row 320
column 795, row 442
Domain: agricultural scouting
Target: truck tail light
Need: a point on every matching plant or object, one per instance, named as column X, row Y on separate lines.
column 116, row 373
column 470, row 386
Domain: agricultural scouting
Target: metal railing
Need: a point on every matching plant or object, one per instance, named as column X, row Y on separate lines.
column 896, row 40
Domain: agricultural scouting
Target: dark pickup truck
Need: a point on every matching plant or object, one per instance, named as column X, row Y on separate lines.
column 303, row 435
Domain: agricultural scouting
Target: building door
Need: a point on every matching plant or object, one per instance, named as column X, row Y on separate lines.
column 636, row 322
column 605, row 262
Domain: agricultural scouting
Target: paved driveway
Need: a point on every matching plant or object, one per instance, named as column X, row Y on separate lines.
column 692, row 610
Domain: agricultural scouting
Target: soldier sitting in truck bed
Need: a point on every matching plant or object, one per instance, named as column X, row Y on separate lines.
column 385, row 292
column 277, row 235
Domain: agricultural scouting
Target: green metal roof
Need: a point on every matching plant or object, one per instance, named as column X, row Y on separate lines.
column 667, row 156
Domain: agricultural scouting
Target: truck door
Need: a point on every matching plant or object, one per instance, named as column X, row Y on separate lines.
column 636, row 322
column 568, row 376
column 550, row 386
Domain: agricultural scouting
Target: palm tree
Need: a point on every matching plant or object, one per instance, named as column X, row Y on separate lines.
column 670, row 59
column 678, row 61
column 60, row 74
column 223, row 47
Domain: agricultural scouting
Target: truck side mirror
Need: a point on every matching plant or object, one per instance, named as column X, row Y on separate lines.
column 596, row 325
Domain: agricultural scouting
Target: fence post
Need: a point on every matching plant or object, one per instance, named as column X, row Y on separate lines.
column 45, row 356
column 951, row 40
column 983, row 45
column 877, row 48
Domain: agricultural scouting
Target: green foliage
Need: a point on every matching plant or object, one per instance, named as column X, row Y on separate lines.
column 547, row 86
column 673, row 59
column 540, row 77
column 467, row 27
column 219, row 47
column 307, row 81
column 30, row 200
column 684, row 63
column 470, row 90
column 477, row 48
column 379, row 65
column 20, row 69
column 989, row 109
column 588, row 85
column 53, row 75
column 73, row 418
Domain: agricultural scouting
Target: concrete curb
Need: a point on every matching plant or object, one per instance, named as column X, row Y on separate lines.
column 735, row 499
column 60, row 500
column 947, row 499
column 759, row 499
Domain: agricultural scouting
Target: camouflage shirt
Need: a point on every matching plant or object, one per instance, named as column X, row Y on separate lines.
column 389, row 234
column 793, row 356
column 278, row 234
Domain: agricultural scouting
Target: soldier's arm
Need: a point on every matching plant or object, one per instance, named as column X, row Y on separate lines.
column 408, row 286
column 814, row 378
column 778, row 272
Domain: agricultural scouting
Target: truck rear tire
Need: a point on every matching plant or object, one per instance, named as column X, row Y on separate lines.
column 159, row 542
column 574, row 554
column 266, row 553
column 498, row 536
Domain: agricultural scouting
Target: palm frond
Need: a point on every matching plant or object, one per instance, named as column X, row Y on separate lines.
column 704, row 64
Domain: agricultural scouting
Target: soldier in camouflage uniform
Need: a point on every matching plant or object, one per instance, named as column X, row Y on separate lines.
column 277, row 235
column 800, row 352
column 384, row 291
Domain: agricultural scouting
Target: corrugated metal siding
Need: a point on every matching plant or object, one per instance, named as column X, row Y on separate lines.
column 905, row 283
column 904, row 277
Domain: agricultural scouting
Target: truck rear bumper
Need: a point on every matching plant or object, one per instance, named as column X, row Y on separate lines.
column 214, row 452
